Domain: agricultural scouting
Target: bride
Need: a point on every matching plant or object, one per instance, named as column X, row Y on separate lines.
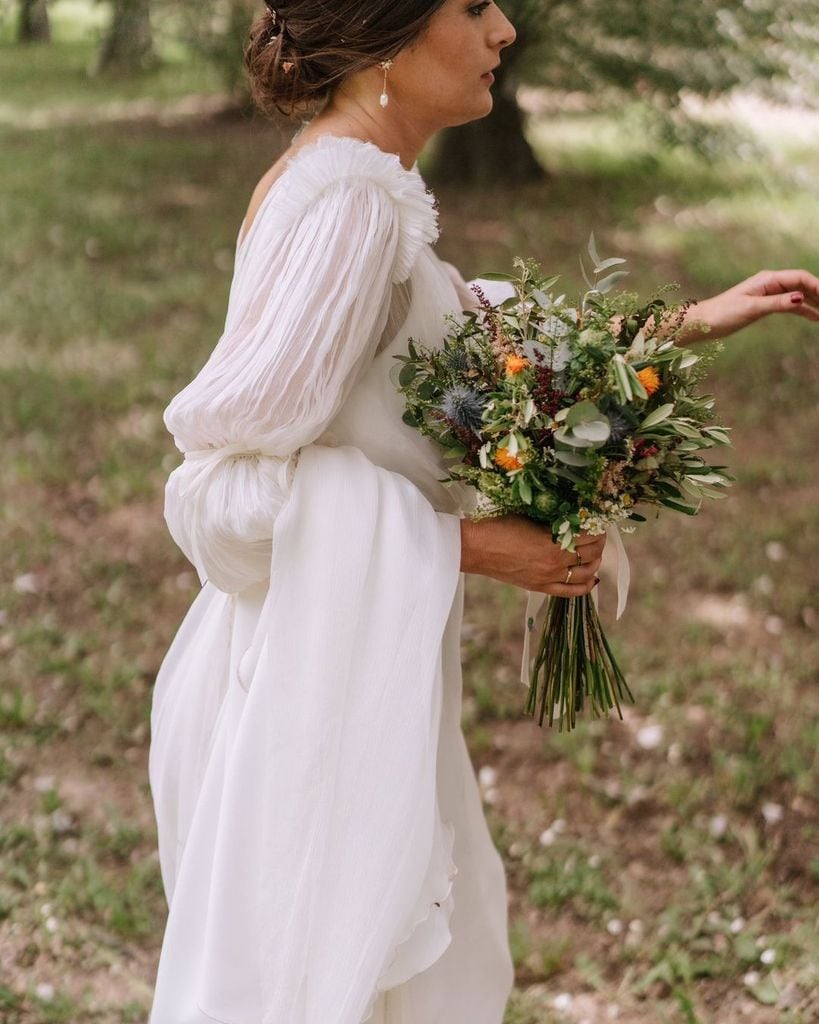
column 321, row 836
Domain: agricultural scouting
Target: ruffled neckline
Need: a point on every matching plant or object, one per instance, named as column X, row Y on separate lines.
column 411, row 178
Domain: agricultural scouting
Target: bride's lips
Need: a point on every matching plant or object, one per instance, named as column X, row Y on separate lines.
column 488, row 77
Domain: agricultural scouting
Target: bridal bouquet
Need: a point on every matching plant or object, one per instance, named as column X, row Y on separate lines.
column 575, row 417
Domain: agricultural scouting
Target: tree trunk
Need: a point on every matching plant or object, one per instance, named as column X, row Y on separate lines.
column 33, row 24
column 128, row 45
column 492, row 150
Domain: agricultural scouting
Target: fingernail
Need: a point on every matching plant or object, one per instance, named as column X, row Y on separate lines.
column 797, row 297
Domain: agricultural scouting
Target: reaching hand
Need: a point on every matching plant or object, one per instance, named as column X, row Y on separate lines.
column 769, row 291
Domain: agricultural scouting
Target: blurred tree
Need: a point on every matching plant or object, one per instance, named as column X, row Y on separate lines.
column 616, row 51
column 128, row 44
column 32, row 24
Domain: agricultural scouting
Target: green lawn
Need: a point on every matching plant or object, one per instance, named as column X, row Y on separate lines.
column 682, row 883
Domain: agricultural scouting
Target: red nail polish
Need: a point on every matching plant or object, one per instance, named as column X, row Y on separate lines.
column 797, row 297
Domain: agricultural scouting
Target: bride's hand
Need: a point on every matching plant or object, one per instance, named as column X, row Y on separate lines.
column 517, row 550
column 769, row 291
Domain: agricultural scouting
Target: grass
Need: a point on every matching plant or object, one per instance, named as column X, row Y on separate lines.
column 682, row 883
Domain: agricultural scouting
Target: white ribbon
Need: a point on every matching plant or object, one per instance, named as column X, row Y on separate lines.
column 536, row 599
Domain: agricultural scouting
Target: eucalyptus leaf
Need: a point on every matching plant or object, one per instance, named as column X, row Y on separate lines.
column 592, row 250
column 596, row 431
column 610, row 281
column 582, row 412
column 613, row 261
column 571, row 458
column 407, row 375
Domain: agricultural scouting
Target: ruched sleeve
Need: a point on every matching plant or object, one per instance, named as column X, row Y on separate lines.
column 309, row 300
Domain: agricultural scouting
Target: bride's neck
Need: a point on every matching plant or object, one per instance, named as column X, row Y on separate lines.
column 392, row 133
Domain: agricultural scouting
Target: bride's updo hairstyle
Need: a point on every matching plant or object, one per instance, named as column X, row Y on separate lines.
column 299, row 50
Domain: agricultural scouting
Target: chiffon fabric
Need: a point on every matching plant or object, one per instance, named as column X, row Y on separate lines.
column 322, row 841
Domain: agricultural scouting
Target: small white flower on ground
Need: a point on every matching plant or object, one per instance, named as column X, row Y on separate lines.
column 490, row 796
column 517, row 849
column 487, row 776
column 775, row 551
column 772, row 813
column 594, row 860
column 44, row 991
column 51, row 924
column 737, row 925
column 44, row 783
column 718, row 825
column 61, row 822
column 649, row 737
column 613, row 1011
column 547, row 837
column 751, row 977
column 763, row 584
column 636, row 926
column 635, row 795
column 767, row 956
column 28, row 583
column 562, row 1001
column 614, row 926
column 774, row 625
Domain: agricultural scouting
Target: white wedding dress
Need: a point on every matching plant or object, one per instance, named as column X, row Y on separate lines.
column 322, row 840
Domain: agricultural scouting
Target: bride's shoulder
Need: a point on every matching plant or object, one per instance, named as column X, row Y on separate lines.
column 304, row 173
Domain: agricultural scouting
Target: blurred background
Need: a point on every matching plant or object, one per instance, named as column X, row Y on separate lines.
column 662, row 868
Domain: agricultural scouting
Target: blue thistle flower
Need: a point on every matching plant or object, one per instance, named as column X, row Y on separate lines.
column 621, row 425
column 464, row 407
column 456, row 360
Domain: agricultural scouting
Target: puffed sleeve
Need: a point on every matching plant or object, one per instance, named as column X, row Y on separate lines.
column 309, row 300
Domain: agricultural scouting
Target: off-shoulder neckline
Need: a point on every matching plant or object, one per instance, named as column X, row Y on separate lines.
column 321, row 140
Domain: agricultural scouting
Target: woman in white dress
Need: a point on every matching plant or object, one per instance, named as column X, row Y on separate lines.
column 322, row 841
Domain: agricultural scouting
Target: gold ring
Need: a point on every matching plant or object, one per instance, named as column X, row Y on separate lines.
column 569, row 575
column 579, row 559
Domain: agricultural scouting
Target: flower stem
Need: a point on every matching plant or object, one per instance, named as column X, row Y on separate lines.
column 574, row 661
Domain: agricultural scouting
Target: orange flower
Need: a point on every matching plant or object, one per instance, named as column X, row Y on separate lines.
column 507, row 461
column 514, row 364
column 650, row 380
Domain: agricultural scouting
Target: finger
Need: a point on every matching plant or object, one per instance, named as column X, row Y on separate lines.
column 584, row 538
column 807, row 312
column 586, row 552
column 579, row 574
column 571, row 590
column 787, row 302
column 793, row 280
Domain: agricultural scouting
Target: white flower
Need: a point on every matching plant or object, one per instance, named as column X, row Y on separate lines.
column 45, row 991
column 562, row 1001
column 614, row 926
column 547, row 837
column 650, row 736
column 751, row 978
column 487, row 776
column 767, row 956
column 772, row 813
column 737, row 925
column 718, row 825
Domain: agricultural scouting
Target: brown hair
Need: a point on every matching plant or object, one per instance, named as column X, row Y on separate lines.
column 299, row 50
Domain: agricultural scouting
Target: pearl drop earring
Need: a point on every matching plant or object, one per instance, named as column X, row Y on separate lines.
column 384, row 98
